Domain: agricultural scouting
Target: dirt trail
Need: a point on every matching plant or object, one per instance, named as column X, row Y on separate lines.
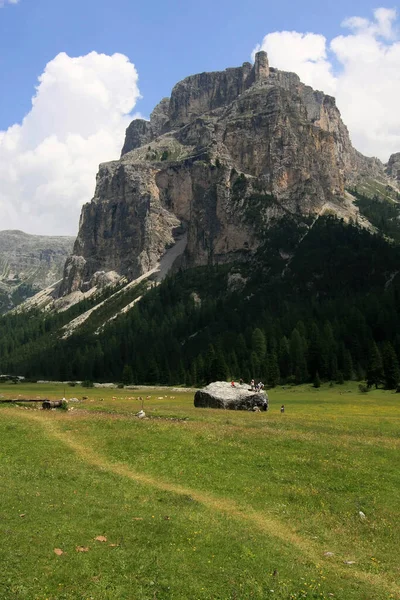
column 261, row 521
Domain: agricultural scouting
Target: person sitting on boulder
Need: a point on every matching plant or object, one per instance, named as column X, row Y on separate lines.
column 252, row 385
column 232, row 383
column 241, row 381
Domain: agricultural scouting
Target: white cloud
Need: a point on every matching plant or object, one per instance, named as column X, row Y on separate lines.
column 78, row 118
column 4, row 2
column 361, row 69
column 381, row 26
column 302, row 53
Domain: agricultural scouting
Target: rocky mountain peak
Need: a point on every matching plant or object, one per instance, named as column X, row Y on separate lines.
column 261, row 66
column 194, row 96
column 227, row 156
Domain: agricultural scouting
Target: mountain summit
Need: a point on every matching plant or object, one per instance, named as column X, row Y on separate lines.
column 224, row 159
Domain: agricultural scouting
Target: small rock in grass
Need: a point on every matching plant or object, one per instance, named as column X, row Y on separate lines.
column 101, row 538
column 349, row 562
column 328, row 553
column 82, row 549
column 58, row 551
column 362, row 515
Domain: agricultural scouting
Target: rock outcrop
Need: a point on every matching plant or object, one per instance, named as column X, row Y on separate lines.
column 393, row 166
column 227, row 156
column 29, row 263
column 223, row 395
column 141, row 132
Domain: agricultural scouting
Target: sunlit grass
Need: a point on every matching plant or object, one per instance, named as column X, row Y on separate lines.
column 200, row 503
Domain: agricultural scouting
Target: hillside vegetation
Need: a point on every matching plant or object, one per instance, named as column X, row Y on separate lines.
column 331, row 313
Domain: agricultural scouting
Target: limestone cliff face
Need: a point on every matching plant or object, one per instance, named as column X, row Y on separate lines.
column 393, row 166
column 29, row 263
column 141, row 132
column 227, row 155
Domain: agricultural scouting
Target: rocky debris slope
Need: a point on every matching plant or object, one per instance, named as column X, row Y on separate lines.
column 221, row 394
column 224, row 159
column 29, row 263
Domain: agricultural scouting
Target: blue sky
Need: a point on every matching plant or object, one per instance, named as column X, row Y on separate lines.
column 74, row 72
column 166, row 40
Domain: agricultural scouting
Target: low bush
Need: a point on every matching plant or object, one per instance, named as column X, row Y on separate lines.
column 87, row 384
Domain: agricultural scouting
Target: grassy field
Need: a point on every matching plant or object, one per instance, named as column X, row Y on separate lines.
column 200, row 504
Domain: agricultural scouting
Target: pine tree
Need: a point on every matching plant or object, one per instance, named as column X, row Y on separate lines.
column 254, row 365
column 181, row 375
column 374, row 374
column 200, row 369
column 241, row 348
column 331, row 351
column 347, row 365
column 317, row 381
column 218, row 368
column 273, row 370
column 246, row 375
column 127, row 375
column 233, row 366
column 333, row 371
column 316, row 353
column 209, row 359
column 298, row 356
column 390, row 366
column 258, row 344
column 284, row 358
column 193, row 373
column 164, row 372
column 153, row 375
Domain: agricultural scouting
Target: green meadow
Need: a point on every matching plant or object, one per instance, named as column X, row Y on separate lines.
column 196, row 503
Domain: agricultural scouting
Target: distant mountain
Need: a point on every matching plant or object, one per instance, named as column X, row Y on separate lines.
column 29, row 263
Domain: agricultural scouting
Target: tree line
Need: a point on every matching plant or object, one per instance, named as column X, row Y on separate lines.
column 332, row 314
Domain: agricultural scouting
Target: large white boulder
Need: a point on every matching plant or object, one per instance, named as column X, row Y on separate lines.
column 221, row 394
